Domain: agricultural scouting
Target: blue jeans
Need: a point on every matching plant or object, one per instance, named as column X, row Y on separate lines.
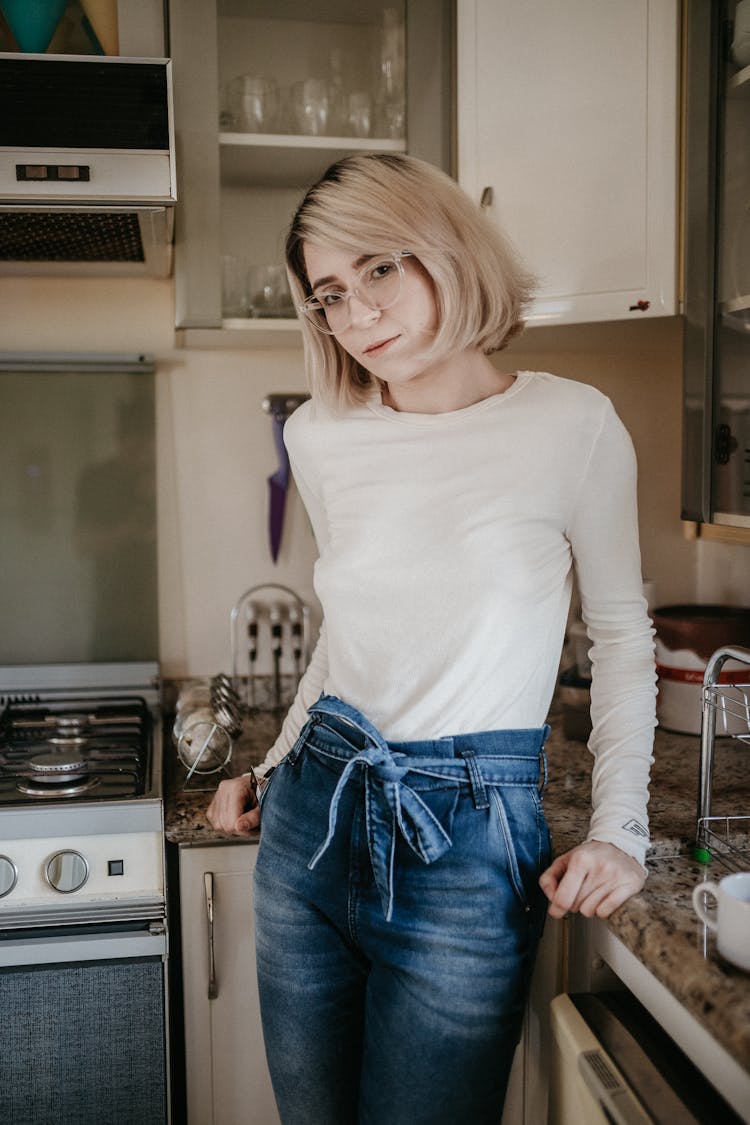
column 397, row 917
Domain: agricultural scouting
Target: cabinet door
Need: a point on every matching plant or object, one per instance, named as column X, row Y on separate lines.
column 568, row 113
column 526, row 1099
column 225, row 1062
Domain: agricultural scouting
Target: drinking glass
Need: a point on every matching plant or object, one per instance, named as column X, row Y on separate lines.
column 359, row 115
column 311, row 107
column 233, row 285
column 268, row 292
column 255, row 103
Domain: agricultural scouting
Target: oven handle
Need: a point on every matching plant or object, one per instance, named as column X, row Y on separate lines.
column 208, row 884
column 84, row 947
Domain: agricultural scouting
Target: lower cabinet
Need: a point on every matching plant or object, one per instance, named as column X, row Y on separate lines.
column 528, row 1089
column 227, row 1079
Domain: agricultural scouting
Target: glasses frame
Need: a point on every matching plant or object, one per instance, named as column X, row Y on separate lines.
column 316, row 315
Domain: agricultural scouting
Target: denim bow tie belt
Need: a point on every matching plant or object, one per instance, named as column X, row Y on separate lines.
column 391, row 805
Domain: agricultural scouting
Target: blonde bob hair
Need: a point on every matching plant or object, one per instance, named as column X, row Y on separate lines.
column 385, row 203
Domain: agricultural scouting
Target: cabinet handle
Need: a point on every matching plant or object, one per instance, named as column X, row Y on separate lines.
column 208, row 883
column 486, row 198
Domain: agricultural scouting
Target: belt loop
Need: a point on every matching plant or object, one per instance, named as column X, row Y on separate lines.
column 299, row 745
column 478, row 788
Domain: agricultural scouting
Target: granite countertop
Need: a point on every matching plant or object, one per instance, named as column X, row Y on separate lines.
column 658, row 925
column 186, row 801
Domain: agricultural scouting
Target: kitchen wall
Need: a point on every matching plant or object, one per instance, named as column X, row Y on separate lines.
column 216, row 448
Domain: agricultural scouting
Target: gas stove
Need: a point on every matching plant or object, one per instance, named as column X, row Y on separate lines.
column 75, row 733
column 81, row 816
column 83, row 910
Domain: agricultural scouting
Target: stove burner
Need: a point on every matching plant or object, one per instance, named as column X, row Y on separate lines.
column 73, row 724
column 56, row 767
column 58, row 788
column 56, row 775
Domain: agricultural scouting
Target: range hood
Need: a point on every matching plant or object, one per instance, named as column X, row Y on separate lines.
column 87, row 177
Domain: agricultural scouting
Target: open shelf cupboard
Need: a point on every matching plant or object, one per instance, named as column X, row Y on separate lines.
column 267, row 96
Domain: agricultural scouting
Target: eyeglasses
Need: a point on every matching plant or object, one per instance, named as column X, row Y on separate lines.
column 377, row 287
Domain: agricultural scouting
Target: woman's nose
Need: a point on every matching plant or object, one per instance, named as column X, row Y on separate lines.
column 360, row 313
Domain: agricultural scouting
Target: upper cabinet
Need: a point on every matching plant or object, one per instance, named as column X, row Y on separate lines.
column 267, row 94
column 716, row 373
column 567, row 132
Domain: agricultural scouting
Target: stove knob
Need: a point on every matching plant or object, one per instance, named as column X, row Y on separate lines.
column 67, row 872
column 8, row 875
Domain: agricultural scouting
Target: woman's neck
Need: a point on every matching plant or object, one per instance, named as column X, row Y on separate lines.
column 456, row 382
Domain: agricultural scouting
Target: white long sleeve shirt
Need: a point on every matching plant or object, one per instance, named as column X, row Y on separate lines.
column 446, row 550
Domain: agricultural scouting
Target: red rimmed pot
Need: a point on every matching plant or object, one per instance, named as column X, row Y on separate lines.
column 686, row 637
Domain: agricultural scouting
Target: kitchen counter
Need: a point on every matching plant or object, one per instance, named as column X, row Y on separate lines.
column 674, row 783
column 660, row 928
column 658, row 925
column 185, row 803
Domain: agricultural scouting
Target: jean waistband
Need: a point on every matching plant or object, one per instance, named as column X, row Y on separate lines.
column 508, row 756
column 488, row 758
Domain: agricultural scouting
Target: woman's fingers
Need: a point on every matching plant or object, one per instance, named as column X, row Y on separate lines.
column 248, row 822
column 561, row 883
column 233, row 809
column 591, row 879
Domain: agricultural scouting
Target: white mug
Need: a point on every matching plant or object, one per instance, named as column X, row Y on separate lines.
column 731, row 921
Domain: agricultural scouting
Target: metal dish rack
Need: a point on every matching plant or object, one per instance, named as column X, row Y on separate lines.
column 725, row 839
column 274, row 616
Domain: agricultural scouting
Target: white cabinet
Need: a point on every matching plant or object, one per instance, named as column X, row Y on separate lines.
column 377, row 78
column 567, row 112
column 527, row 1097
column 226, row 1074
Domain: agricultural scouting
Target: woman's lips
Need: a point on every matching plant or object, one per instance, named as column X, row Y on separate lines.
column 380, row 346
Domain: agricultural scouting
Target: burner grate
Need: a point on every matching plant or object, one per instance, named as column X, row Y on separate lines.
column 68, row 748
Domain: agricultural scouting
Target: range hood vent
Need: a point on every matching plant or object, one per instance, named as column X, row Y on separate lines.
column 87, row 181
column 80, row 237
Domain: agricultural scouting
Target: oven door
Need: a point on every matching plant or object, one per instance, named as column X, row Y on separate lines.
column 84, row 1026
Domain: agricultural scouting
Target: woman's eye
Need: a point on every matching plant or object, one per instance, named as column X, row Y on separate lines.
column 328, row 300
column 381, row 270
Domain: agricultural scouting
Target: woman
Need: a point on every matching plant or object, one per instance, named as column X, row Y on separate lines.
column 404, row 862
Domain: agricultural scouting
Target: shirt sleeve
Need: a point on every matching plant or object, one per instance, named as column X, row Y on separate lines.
column 603, row 533
column 312, row 682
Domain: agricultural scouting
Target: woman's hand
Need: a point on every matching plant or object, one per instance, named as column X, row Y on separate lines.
column 592, row 879
column 234, row 809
